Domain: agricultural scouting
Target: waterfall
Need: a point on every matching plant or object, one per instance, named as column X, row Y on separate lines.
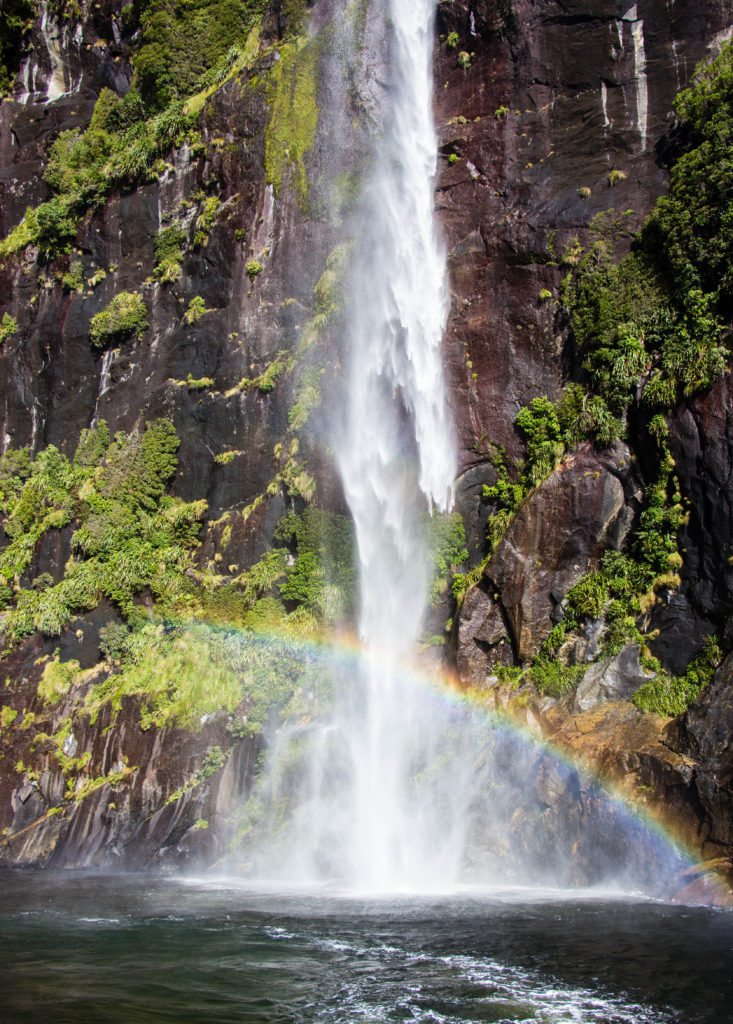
column 396, row 457
column 379, row 797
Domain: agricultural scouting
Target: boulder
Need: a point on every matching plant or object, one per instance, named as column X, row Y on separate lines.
column 611, row 679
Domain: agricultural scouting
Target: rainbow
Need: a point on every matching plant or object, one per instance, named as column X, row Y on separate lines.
column 445, row 686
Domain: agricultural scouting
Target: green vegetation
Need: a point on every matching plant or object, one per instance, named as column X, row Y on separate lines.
column 8, row 327
column 210, row 209
column 15, row 19
column 650, row 325
column 73, row 279
column 307, row 399
column 293, row 95
column 197, row 384
column 254, row 269
column 121, row 147
column 690, row 228
column 129, row 537
column 447, row 543
column 452, row 40
column 321, row 579
column 170, row 244
column 225, row 458
column 196, row 309
column 548, row 430
column 125, row 317
column 178, row 49
column 666, row 695
column 185, row 46
column 269, row 377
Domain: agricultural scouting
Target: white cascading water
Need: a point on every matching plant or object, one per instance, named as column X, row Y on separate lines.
column 372, row 794
column 397, row 456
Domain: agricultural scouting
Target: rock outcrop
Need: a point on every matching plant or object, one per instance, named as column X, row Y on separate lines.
column 611, row 679
column 583, row 508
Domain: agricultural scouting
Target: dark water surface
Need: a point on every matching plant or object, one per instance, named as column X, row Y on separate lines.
column 81, row 948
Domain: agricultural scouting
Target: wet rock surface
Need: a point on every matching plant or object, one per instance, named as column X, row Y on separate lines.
column 556, row 537
column 611, row 679
column 705, row 735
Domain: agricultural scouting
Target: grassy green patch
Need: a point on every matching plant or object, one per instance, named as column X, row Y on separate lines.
column 294, row 117
column 667, row 695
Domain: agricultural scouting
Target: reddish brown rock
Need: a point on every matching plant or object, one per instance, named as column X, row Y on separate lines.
column 558, row 534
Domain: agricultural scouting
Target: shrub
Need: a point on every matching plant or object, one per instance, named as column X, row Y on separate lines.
column 447, row 546
column 616, row 176
column 553, row 679
column 196, row 309
column 540, row 428
column 8, row 327
column 587, row 599
column 690, row 226
column 205, row 221
column 452, row 40
column 182, row 43
column 254, row 269
column 73, row 279
column 126, row 316
column 54, row 227
column 169, row 247
column 129, row 536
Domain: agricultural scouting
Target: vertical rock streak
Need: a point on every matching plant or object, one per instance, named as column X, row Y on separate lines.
column 640, row 77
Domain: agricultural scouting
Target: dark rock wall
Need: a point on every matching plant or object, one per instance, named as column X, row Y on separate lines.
column 557, row 96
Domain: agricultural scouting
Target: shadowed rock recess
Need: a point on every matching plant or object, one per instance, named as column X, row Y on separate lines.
column 176, row 220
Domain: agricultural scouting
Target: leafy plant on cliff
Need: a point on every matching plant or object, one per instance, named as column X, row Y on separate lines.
column 125, row 317
column 670, row 696
column 120, row 148
column 129, row 536
column 15, row 18
column 180, row 43
column 170, row 245
column 651, row 324
column 8, row 327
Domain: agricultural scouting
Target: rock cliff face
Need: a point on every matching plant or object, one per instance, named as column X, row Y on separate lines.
column 549, row 113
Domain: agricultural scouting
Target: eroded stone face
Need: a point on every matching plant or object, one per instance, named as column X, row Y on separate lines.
column 559, row 533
